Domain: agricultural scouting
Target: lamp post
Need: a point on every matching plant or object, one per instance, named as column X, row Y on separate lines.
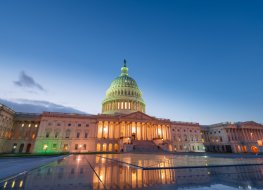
column 45, row 148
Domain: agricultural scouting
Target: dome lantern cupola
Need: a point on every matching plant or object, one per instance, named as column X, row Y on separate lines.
column 123, row 95
column 124, row 69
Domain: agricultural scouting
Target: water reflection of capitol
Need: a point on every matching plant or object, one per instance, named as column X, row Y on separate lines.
column 91, row 172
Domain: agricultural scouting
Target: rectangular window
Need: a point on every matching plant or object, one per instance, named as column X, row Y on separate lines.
column 47, row 134
column 78, row 134
column 84, row 147
column 67, row 133
column 54, row 146
column 86, row 135
column 76, row 146
column 65, row 148
column 79, row 125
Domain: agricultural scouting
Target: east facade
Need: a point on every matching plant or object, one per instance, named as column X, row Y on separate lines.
column 123, row 126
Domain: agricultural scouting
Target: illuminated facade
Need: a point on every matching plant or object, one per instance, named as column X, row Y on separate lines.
column 123, row 126
column 240, row 137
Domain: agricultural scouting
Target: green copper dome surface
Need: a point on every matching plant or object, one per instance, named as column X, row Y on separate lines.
column 123, row 95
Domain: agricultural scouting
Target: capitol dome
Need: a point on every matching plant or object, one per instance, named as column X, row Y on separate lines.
column 123, row 95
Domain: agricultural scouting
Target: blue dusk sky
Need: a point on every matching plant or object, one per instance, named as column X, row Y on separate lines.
column 196, row 61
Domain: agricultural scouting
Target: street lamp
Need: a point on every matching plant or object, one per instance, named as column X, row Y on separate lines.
column 45, row 148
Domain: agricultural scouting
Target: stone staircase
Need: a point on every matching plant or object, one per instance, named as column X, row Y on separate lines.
column 145, row 146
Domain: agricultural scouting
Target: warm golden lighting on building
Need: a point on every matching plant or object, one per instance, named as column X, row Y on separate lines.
column 5, row 184
column 21, row 184
column 13, row 184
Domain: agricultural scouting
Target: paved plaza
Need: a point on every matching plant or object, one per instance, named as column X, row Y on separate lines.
column 134, row 171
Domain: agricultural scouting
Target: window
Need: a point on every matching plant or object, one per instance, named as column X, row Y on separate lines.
column 78, row 134
column 67, row 133
column 35, row 125
column 87, row 125
column 47, row 134
column 69, row 124
column 22, row 125
column 76, row 146
column 72, row 171
column 65, row 147
column 58, row 124
column 29, row 125
column 84, row 147
column 86, row 135
column 54, row 146
column 79, row 125
column 56, row 135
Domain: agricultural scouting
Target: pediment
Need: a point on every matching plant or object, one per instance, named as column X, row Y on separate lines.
column 138, row 116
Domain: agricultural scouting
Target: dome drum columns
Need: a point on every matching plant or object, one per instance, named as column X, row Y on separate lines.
column 119, row 106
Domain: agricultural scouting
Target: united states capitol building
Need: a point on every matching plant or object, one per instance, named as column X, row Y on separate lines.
column 123, row 126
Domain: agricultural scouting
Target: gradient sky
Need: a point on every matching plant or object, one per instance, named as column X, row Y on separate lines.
column 196, row 61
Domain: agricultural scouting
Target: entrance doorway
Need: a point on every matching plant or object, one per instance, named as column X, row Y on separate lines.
column 133, row 136
column 254, row 149
column 28, row 148
column 21, row 148
column 244, row 149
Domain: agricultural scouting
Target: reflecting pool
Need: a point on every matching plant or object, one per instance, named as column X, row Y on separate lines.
column 151, row 161
column 103, row 172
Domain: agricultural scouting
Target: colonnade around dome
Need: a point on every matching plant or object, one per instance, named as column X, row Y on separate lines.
column 119, row 105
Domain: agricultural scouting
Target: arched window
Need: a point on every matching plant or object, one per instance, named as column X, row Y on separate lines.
column 98, row 147
column 110, row 147
column 104, row 147
column 116, row 147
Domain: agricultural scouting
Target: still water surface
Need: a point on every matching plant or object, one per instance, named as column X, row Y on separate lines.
column 79, row 172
